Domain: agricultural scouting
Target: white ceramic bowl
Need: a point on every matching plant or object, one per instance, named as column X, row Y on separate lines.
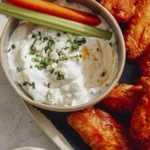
column 97, row 8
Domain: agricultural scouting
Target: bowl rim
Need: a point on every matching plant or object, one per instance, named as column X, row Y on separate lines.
column 68, row 108
column 28, row 148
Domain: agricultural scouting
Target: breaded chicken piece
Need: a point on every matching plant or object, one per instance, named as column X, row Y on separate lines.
column 122, row 10
column 144, row 64
column 124, row 98
column 140, row 121
column 99, row 130
column 145, row 83
column 137, row 33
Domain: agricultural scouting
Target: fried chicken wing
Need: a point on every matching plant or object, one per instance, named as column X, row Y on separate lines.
column 137, row 33
column 144, row 64
column 99, row 130
column 140, row 124
column 124, row 98
column 122, row 10
column 140, row 120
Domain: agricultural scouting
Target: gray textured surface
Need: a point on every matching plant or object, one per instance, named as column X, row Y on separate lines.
column 17, row 127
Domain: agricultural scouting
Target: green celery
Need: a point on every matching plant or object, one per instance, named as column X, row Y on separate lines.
column 52, row 21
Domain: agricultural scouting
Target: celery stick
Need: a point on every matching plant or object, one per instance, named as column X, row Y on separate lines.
column 52, row 21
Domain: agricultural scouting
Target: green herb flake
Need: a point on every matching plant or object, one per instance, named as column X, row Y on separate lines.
column 60, row 76
column 52, row 71
column 80, row 55
column 34, row 36
column 76, row 56
column 19, row 69
column 32, row 51
column 45, row 38
column 33, row 85
column 30, row 84
column 35, row 60
column 58, row 34
column 75, row 44
column 48, row 85
column 81, row 41
column 74, row 47
column 66, row 48
column 37, row 55
column 13, row 46
column 9, row 50
column 39, row 33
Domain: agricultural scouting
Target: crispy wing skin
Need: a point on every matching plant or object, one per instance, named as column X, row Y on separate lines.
column 122, row 10
column 124, row 98
column 99, row 130
column 144, row 64
column 140, row 124
column 145, row 82
column 140, row 120
column 137, row 33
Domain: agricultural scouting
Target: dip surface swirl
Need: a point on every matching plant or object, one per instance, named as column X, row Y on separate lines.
column 59, row 68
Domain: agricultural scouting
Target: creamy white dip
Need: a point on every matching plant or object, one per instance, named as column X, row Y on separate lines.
column 59, row 68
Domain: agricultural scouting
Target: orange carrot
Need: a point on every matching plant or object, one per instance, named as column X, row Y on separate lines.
column 59, row 11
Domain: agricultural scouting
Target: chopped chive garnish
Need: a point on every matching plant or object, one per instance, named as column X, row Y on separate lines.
column 51, row 43
column 63, row 58
column 40, row 38
column 81, row 41
column 30, row 84
column 34, row 36
column 66, row 48
column 74, row 47
column 45, row 38
column 39, row 33
column 48, row 85
column 57, row 61
column 40, row 67
column 59, row 76
column 32, row 51
column 27, row 83
column 37, row 55
column 76, row 43
column 35, row 60
column 19, row 69
column 13, row 46
column 76, row 56
column 80, row 55
column 52, row 71
column 58, row 34
column 46, row 48
column 33, row 85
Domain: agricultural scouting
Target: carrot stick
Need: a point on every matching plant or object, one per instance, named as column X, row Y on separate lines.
column 57, row 10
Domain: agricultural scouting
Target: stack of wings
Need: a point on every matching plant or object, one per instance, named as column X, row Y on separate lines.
column 99, row 128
